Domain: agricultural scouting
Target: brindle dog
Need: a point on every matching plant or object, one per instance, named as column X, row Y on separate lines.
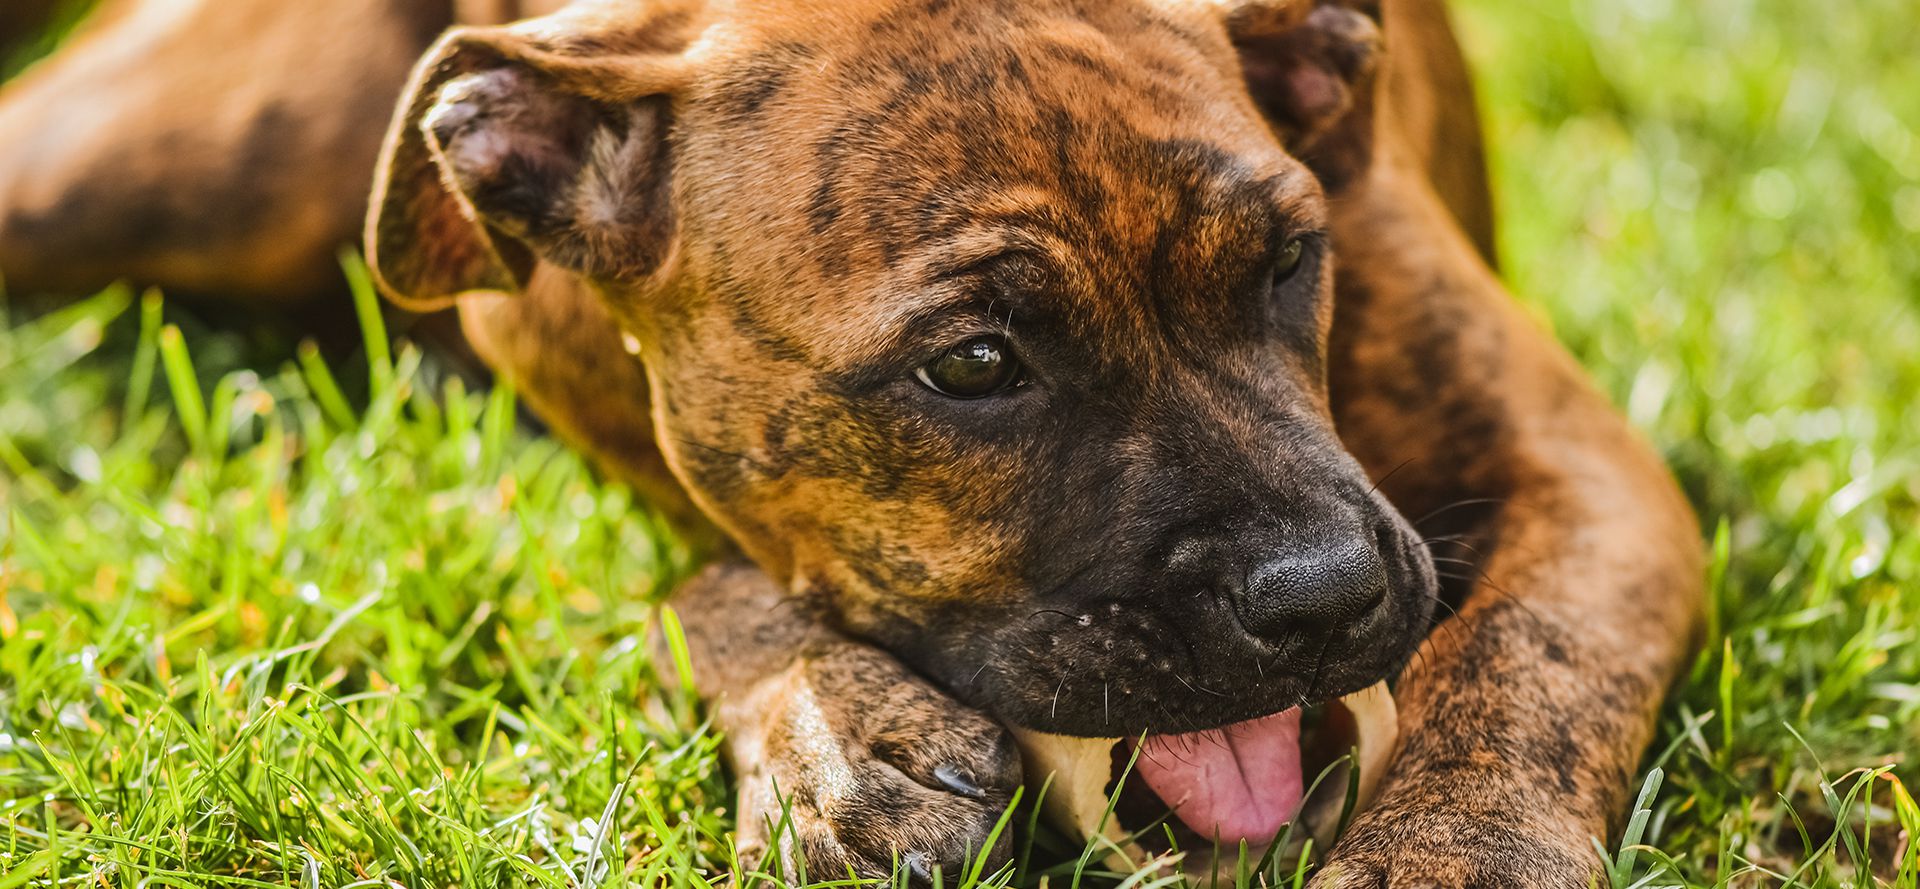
column 1005, row 340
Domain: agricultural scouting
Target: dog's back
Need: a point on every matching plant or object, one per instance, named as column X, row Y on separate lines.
column 226, row 148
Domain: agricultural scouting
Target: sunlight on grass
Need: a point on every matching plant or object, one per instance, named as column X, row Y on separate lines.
column 276, row 638
column 1714, row 204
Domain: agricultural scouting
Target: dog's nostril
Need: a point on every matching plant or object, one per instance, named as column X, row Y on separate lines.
column 1313, row 588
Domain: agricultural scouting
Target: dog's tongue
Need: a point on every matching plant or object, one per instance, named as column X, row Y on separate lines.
column 1242, row 782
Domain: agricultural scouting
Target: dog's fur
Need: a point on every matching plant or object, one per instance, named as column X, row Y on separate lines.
column 712, row 242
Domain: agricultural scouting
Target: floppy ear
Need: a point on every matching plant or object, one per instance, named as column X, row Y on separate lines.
column 1310, row 66
column 541, row 141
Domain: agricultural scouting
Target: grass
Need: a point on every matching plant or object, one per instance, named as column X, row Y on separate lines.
column 1714, row 205
column 269, row 617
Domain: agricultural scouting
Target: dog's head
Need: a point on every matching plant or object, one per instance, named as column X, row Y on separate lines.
column 999, row 326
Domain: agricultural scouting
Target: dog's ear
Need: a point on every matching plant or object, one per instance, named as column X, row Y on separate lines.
column 1310, row 66
column 541, row 141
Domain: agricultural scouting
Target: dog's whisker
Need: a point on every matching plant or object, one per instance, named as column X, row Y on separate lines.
column 1443, row 603
column 1200, row 689
column 1375, row 489
column 1459, row 540
column 1481, row 578
column 1165, row 712
column 1313, row 683
column 1458, row 504
column 1216, row 737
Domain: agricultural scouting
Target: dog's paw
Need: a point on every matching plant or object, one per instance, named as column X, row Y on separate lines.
column 876, row 769
column 1456, row 850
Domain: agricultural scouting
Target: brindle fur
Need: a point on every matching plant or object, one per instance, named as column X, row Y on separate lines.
column 1104, row 173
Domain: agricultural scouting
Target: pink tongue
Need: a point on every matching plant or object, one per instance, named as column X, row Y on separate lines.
column 1242, row 782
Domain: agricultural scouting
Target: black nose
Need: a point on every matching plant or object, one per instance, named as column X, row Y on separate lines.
column 1317, row 586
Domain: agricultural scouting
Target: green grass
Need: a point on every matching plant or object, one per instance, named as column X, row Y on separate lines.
column 273, row 619
column 263, row 634
column 1715, row 204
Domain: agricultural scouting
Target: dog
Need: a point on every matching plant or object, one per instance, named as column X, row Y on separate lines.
column 1097, row 367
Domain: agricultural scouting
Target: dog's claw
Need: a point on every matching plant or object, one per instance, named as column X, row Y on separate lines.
column 916, row 782
column 920, row 864
column 956, row 780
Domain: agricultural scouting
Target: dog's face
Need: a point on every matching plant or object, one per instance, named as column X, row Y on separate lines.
column 1000, row 328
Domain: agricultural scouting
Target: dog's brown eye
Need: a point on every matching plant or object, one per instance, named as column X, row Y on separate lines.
column 1289, row 260
column 973, row 369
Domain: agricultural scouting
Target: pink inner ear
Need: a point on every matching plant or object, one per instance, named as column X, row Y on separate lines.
column 1292, row 83
column 1316, row 92
column 503, row 122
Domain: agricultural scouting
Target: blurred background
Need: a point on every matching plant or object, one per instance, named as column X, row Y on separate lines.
column 1714, row 203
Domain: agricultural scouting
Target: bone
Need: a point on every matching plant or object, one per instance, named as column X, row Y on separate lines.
column 1076, row 801
column 1376, row 734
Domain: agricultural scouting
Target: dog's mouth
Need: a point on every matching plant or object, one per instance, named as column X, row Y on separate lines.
column 1291, row 774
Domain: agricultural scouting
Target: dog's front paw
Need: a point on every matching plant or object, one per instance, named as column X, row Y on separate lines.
column 875, row 767
column 1438, row 849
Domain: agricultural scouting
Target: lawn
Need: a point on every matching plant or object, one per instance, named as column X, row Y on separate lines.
column 274, row 616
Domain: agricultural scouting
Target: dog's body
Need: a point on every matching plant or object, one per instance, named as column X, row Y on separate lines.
column 772, row 204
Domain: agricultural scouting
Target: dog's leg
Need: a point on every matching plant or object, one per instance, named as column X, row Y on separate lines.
column 1434, row 105
column 1578, row 571
column 870, row 760
column 210, row 147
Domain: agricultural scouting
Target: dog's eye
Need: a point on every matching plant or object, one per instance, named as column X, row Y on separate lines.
column 976, row 368
column 1289, row 260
